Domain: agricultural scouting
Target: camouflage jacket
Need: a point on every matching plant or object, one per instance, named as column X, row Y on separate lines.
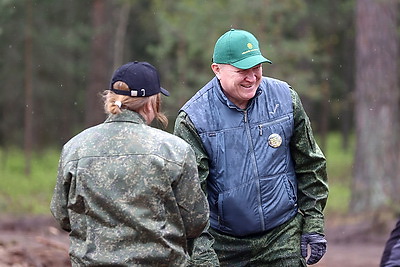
column 129, row 195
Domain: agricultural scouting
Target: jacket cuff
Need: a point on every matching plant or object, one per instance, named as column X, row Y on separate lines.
column 314, row 225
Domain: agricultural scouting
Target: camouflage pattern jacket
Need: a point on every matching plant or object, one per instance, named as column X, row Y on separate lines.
column 129, row 195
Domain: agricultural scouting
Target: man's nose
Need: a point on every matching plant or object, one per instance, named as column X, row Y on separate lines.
column 251, row 76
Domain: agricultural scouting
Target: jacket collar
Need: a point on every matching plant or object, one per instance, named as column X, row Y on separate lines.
column 126, row 116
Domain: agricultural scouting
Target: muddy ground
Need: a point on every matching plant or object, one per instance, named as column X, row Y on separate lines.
column 37, row 241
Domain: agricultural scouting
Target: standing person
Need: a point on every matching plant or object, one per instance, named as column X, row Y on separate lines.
column 127, row 193
column 391, row 253
column 264, row 175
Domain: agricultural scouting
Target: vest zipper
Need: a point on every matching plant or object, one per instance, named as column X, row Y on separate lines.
column 260, row 211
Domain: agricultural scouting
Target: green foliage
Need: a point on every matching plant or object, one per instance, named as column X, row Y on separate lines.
column 340, row 167
column 60, row 35
column 309, row 43
column 20, row 194
column 188, row 31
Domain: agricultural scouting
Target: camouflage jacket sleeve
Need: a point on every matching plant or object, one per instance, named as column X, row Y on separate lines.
column 193, row 207
column 202, row 253
column 185, row 129
column 310, row 167
column 59, row 201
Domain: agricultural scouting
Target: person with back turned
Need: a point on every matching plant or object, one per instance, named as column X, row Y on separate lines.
column 127, row 193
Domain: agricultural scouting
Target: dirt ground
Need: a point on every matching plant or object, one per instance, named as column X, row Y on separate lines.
column 38, row 242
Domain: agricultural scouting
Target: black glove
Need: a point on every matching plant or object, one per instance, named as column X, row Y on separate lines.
column 317, row 244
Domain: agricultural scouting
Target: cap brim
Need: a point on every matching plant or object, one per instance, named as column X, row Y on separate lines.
column 164, row 91
column 250, row 62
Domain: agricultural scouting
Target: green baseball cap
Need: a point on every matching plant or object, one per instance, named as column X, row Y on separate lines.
column 238, row 48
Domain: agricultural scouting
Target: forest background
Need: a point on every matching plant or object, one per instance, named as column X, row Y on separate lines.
column 340, row 56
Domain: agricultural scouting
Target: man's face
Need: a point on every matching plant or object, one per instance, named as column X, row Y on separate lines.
column 238, row 85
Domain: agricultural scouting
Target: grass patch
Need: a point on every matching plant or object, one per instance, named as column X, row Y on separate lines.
column 19, row 193
column 339, row 168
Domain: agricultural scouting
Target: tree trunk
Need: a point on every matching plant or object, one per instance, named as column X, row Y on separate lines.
column 376, row 105
column 99, row 63
column 28, row 124
column 123, row 16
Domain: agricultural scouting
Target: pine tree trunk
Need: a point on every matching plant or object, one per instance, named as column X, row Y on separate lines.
column 28, row 124
column 120, row 35
column 99, row 64
column 376, row 105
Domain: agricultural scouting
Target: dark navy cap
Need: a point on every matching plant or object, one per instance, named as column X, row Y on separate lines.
column 141, row 77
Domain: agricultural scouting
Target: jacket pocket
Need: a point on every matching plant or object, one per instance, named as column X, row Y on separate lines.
column 278, row 200
column 239, row 211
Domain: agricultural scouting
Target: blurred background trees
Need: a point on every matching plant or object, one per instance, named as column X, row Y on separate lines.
column 376, row 172
column 58, row 56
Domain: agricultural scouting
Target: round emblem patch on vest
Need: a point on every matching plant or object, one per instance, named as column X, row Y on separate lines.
column 275, row 140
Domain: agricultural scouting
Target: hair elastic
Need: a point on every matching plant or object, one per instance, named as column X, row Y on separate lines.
column 118, row 103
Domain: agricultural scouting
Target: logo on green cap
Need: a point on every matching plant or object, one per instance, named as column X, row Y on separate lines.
column 238, row 48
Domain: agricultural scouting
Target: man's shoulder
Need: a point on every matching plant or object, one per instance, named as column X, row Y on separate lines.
column 270, row 85
column 201, row 96
column 274, row 82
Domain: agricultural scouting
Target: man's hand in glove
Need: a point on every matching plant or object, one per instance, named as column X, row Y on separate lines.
column 317, row 244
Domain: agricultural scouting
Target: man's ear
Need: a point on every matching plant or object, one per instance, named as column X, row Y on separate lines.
column 216, row 69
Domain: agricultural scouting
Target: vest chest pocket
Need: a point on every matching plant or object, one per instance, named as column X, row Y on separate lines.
column 229, row 157
column 264, row 128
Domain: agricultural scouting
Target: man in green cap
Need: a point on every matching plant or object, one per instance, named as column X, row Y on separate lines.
column 264, row 174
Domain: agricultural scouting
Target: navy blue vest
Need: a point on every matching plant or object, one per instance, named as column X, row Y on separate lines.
column 252, row 185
